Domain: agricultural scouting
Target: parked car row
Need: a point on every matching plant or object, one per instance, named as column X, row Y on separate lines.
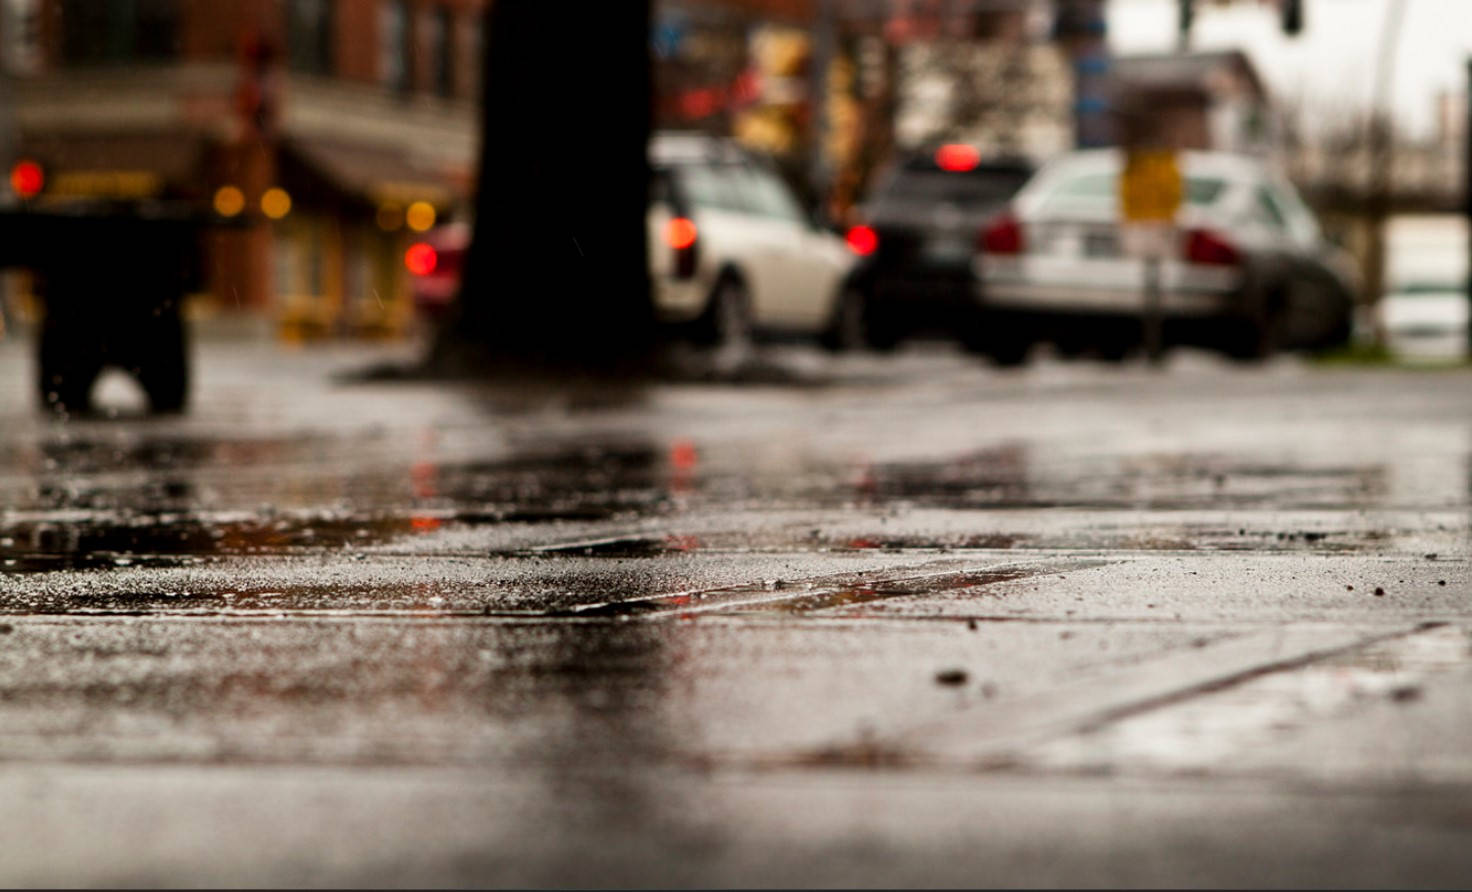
column 991, row 251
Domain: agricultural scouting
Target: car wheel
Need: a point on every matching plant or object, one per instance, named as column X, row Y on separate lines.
column 1010, row 353
column 163, row 371
column 1116, row 349
column 1006, row 346
column 849, row 330
column 728, row 318
column 1256, row 337
column 68, row 366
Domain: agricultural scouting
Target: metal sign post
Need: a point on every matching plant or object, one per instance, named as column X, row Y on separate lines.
column 1149, row 196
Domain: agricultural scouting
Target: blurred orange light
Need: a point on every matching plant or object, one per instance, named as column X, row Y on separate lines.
column 275, row 203
column 680, row 233
column 957, row 158
column 390, row 217
column 229, row 201
column 27, row 178
column 862, row 240
column 420, row 216
column 421, row 259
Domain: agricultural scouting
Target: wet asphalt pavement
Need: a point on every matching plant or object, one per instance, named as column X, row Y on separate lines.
column 868, row 621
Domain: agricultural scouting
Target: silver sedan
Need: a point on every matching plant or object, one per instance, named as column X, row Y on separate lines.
column 1246, row 271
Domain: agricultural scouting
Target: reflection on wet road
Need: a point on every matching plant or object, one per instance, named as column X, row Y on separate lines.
column 643, row 612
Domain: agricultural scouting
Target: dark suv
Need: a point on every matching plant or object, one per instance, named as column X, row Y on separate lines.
column 918, row 238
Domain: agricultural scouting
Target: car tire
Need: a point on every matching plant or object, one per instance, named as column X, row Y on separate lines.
column 1006, row 347
column 849, row 330
column 68, row 365
column 1256, row 337
column 163, row 372
column 1010, row 354
column 727, row 322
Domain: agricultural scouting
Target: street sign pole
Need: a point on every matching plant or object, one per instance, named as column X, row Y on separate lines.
column 1149, row 197
column 1154, row 336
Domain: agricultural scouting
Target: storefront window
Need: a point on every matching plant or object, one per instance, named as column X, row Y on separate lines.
column 309, row 36
column 118, row 31
column 393, row 44
column 440, row 50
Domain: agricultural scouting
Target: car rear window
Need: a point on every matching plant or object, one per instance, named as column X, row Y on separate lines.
column 716, row 186
column 1098, row 190
column 937, row 186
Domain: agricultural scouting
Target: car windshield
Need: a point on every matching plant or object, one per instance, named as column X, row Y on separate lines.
column 1097, row 193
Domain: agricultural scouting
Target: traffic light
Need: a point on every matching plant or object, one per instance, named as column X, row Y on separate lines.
column 1292, row 16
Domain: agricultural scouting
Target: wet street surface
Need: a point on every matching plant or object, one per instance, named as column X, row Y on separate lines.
column 867, row 621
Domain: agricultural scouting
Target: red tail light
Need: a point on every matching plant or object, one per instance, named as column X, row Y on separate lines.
column 680, row 233
column 1003, row 235
column 957, row 158
column 1206, row 247
column 862, row 240
column 27, row 178
column 421, row 259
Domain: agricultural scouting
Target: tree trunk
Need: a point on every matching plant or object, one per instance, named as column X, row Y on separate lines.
column 557, row 274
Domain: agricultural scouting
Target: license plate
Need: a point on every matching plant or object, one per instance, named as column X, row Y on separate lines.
column 943, row 249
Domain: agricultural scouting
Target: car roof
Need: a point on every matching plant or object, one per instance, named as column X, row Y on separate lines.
column 676, row 147
column 1227, row 165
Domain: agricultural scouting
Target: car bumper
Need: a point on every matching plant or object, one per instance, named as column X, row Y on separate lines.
column 1094, row 301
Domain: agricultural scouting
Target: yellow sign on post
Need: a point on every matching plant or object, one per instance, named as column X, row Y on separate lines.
column 1150, row 186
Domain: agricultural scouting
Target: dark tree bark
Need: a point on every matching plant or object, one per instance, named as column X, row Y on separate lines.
column 557, row 273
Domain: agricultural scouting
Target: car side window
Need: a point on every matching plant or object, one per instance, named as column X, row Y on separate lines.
column 1301, row 221
column 711, row 186
column 1267, row 210
column 771, row 198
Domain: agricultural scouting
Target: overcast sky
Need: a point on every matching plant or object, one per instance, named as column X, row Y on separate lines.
column 1331, row 64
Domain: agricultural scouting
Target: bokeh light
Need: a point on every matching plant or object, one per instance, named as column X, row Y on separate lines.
column 275, row 203
column 229, row 201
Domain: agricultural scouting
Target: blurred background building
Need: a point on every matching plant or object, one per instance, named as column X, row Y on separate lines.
column 335, row 127
column 338, row 129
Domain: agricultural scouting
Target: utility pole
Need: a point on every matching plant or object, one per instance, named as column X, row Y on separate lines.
column 1467, row 195
column 820, row 174
column 1186, row 17
column 1381, row 149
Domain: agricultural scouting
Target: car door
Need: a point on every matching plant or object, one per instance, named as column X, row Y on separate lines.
column 740, row 236
column 801, row 299
column 1313, row 303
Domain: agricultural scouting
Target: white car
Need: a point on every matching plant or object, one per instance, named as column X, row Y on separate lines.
column 1247, row 270
column 731, row 251
column 1423, row 313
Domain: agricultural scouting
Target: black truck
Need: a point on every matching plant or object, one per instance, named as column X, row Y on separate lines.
column 112, row 274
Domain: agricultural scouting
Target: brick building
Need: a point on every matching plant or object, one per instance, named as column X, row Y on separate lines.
column 357, row 110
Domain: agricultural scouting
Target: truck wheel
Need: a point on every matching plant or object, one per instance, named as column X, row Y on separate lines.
column 68, row 366
column 163, row 370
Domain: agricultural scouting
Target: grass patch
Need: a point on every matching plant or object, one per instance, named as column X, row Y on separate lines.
column 1367, row 355
column 1356, row 354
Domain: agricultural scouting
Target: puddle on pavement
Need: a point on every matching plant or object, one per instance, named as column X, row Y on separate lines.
column 39, row 546
column 900, row 588
column 1010, row 476
column 803, row 595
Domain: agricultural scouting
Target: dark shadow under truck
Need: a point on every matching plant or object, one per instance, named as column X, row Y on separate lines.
column 112, row 277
